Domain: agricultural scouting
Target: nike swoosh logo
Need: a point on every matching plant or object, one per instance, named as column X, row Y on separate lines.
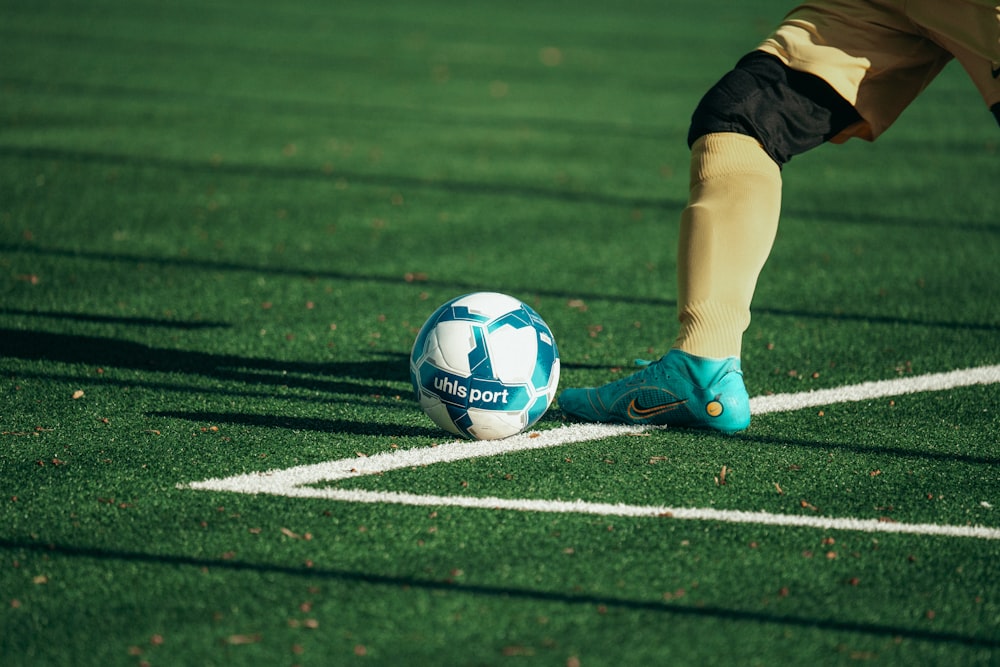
column 636, row 411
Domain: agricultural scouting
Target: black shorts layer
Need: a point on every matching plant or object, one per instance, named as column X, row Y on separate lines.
column 787, row 111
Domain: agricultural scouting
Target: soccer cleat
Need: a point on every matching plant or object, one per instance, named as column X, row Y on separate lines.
column 678, row 390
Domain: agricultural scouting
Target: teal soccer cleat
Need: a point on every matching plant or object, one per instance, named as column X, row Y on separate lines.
column 678, row 390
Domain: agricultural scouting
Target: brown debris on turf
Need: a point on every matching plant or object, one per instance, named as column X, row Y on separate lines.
column 295, row 536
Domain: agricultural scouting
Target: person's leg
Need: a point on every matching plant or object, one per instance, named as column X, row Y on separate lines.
column 726, row 234
column 744, row 130
column 730, row 222
column 809, row 82
column 749, row 124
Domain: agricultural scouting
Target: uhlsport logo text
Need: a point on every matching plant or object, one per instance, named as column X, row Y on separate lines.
column 470, row 392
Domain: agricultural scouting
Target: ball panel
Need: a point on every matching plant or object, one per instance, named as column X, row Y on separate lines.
column 440, row 414
column 420, row 344
column 493, row 425
column 514, row 353
column 546, row 371
column 480, row 363
column 449, row 346
column 486, row 304
column 518, row 319
column 535, row 412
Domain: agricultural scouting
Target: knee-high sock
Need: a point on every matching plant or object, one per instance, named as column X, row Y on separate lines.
column 727, row 230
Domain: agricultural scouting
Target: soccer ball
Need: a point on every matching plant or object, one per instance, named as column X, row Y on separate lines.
column 484, row 366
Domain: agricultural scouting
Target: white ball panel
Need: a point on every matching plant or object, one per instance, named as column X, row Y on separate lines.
column 453, row 341
column 513, row 353
column 491, row 304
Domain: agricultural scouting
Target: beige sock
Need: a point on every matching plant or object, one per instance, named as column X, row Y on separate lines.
column 727, row 230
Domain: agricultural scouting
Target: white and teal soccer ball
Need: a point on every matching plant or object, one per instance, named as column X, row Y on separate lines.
column 484, row 366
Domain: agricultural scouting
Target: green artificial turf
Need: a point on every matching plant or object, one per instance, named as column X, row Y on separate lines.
column 221, row 225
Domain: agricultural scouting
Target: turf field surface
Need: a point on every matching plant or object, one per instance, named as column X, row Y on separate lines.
column 221, row 225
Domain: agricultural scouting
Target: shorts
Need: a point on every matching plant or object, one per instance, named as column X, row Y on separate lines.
column 880, row 54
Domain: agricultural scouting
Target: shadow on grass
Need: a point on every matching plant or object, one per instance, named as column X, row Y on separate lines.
column 359, row 111
column 522, row 190
column 463, row 286
column 667, row 609
column 116, row 319
column 299, row 271
column 338, row 426
column 117, row 353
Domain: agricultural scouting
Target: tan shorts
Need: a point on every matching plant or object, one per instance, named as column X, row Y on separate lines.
column 880, row 54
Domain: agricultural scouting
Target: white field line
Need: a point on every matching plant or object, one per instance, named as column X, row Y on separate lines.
column 881, row 389
column 296, row 481
column 665, row 513
column 279, row 481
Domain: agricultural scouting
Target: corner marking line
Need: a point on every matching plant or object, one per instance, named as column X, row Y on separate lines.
column 297, row 481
